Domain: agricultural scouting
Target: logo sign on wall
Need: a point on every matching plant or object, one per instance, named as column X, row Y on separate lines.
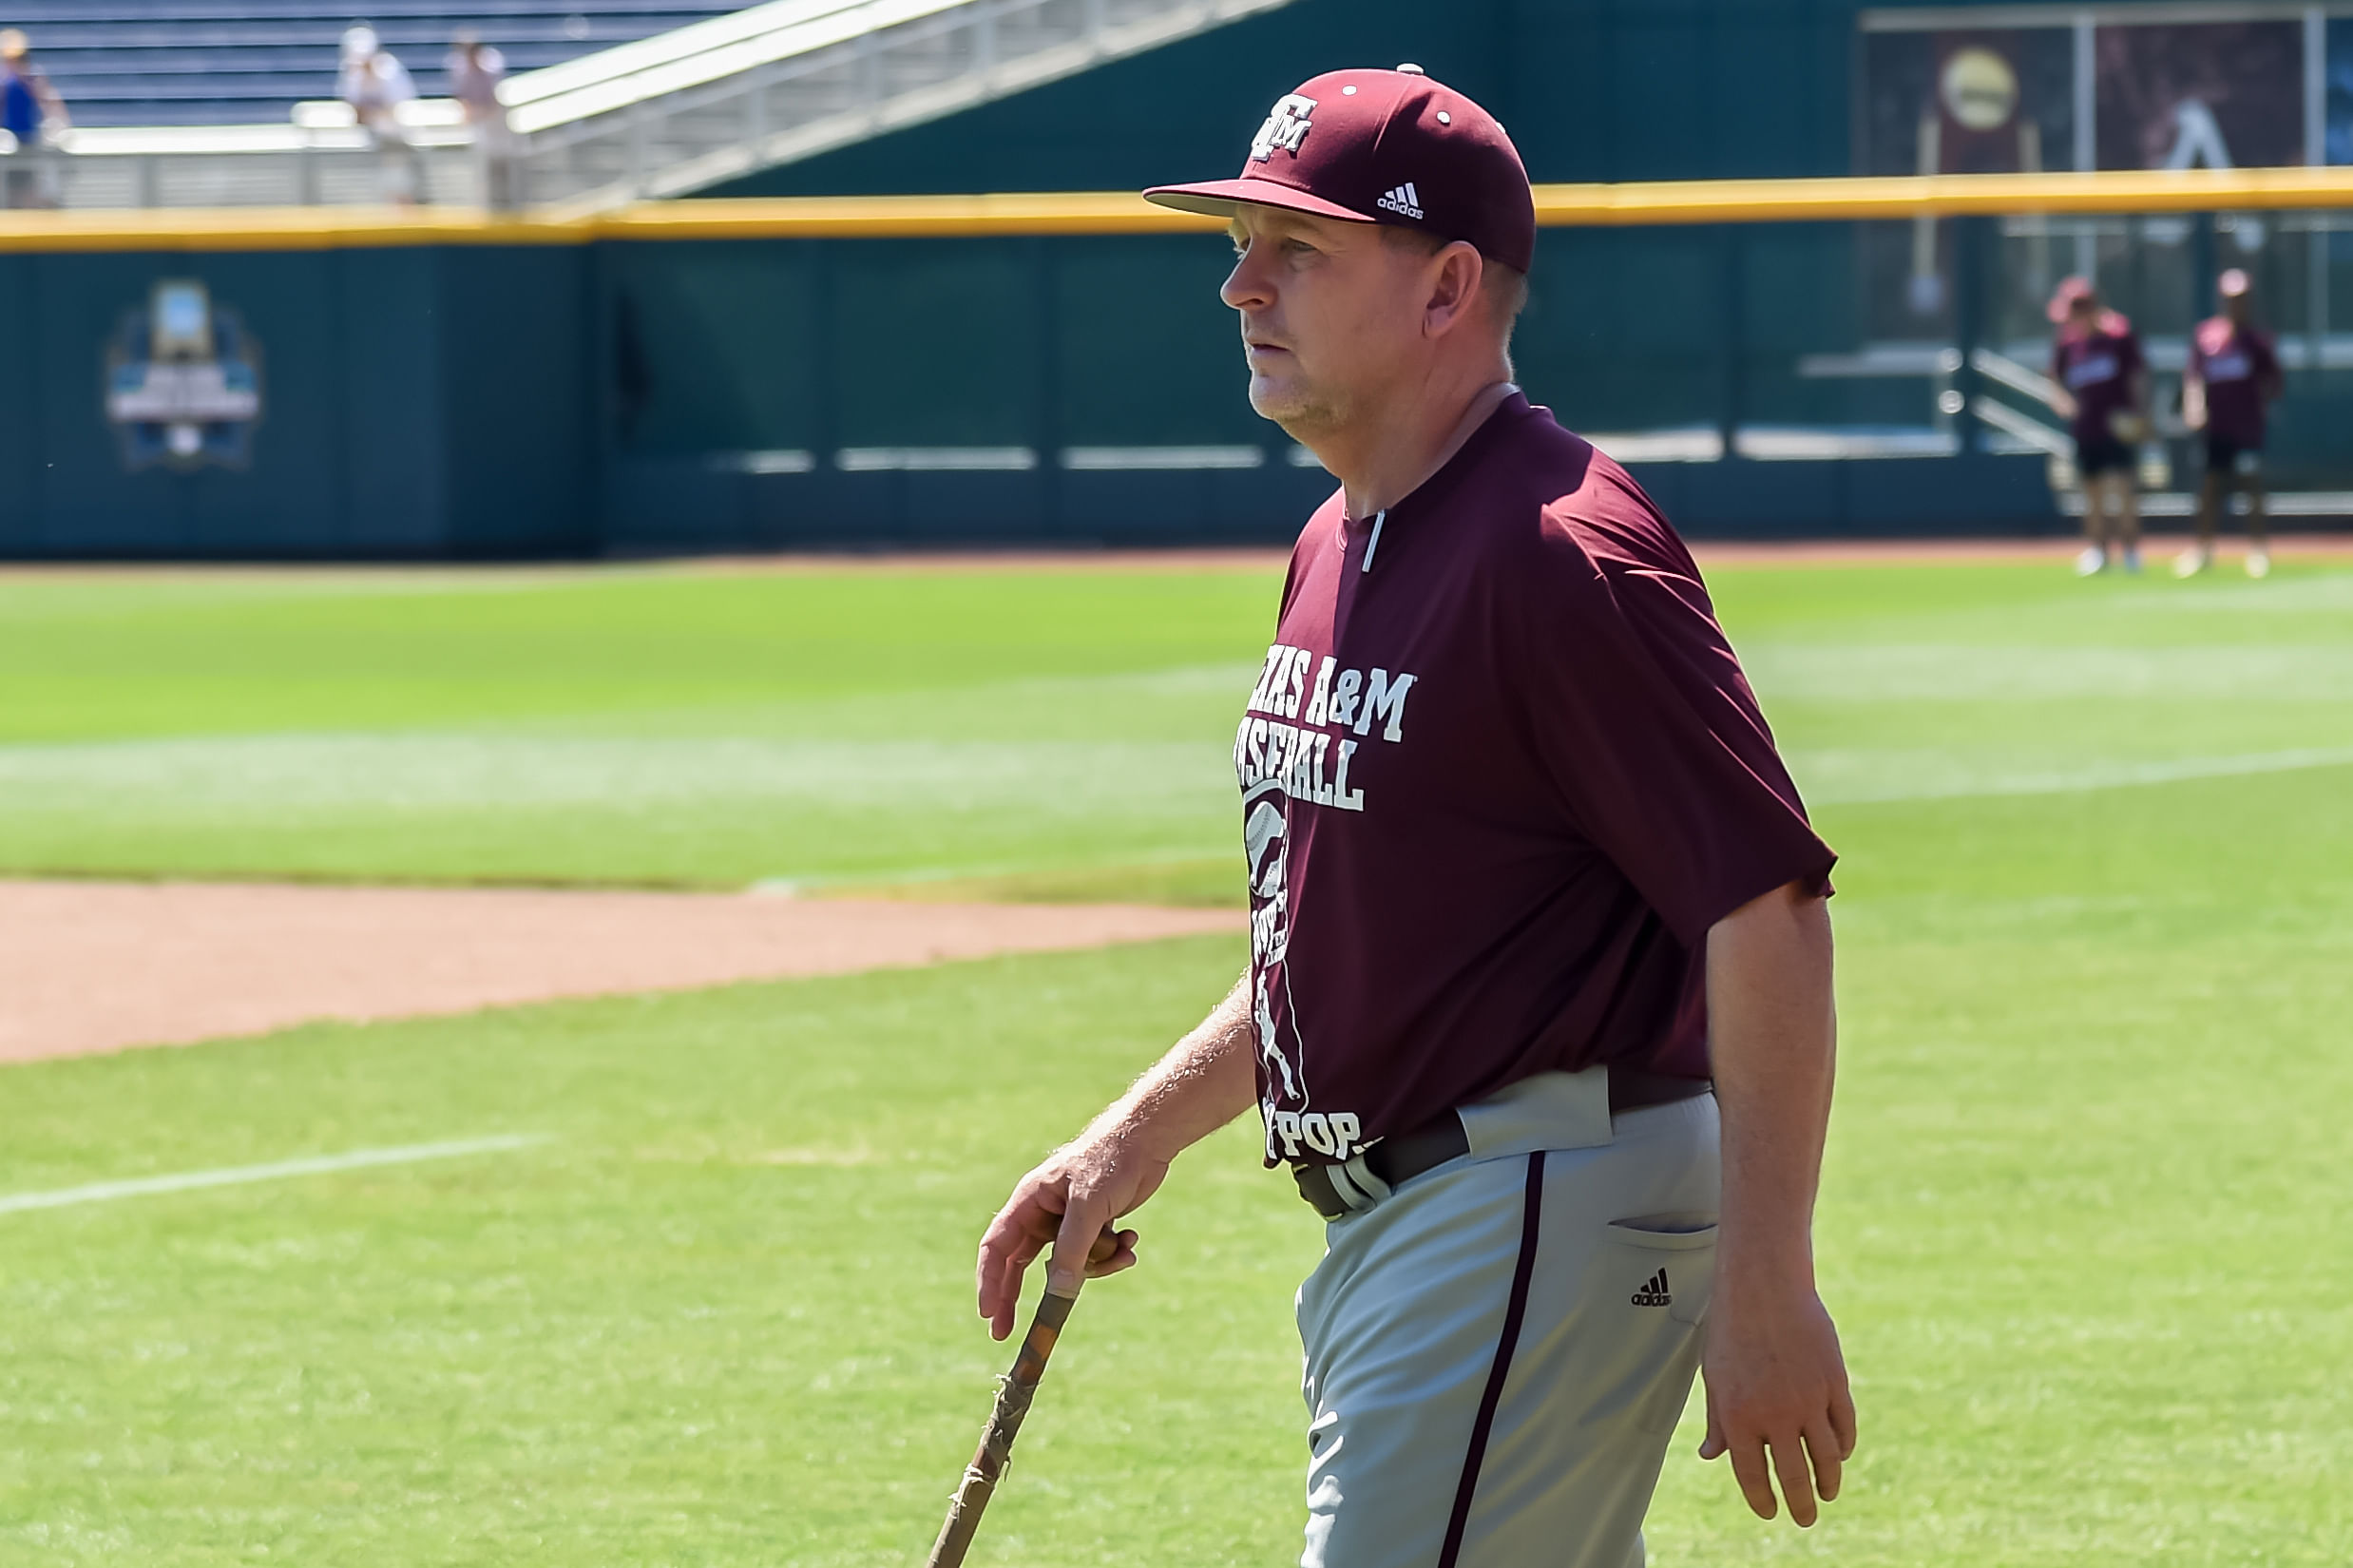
column 1978, row 88
column 184, row 381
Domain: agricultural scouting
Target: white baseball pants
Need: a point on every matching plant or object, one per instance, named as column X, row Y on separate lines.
column 1497, row 1352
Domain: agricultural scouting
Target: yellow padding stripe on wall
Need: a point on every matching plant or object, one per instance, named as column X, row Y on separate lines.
column 273, row 229
column 1120, row 212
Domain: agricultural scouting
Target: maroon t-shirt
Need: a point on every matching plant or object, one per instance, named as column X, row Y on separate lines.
column 1495, row 790
column 2097, row 365
column 2237, row 365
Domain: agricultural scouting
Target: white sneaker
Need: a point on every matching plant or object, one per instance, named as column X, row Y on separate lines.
column 2259, row 563
column 2132, row 559
column 2093, row 562
column 2192, row 562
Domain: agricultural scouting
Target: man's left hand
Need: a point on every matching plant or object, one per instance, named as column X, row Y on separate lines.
column 1777, row 1396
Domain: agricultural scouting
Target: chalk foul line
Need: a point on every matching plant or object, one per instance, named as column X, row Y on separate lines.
column 355, row 1159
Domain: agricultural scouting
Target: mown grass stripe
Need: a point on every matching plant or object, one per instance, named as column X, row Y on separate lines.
column 2121, row 776
column 100, row 1192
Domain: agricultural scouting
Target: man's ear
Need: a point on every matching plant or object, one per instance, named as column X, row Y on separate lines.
column 1454, row 287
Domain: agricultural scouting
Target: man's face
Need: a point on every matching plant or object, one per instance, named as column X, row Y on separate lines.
column 2234, row 306
column 1332, row 315
column 2083, row 311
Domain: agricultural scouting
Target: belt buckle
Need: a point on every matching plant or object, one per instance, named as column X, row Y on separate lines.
column 1336, row 1192
column 1315, row 1185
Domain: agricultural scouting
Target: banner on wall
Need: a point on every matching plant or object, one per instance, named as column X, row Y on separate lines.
column 1960, row 102
column 2221, row 95
column 2059, row 87
column 1973, row 101
column 184, row 381
column 2160, row 94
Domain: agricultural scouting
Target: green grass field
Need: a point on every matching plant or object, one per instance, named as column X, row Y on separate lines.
column 2085, row 1213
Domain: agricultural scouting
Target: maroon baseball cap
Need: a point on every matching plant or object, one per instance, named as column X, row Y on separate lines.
column 1383, row 147
column 2065, row 297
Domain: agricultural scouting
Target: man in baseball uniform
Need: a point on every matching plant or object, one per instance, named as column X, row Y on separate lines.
column 1525, row 874
column 2100, row 387
column 2233, row 373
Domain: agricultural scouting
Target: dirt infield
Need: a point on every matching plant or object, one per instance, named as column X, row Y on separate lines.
column 94, row 966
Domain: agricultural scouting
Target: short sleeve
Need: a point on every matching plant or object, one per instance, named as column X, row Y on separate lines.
column 1645, row 724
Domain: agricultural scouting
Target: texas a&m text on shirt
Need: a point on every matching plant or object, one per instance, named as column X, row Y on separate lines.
column 1495, row 789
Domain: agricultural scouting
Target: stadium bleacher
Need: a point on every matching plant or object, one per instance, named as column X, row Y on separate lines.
column 244, row 61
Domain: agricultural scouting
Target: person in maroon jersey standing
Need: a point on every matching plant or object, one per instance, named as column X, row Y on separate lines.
column 1539, row 1011
column 2233, row 373
column 2100, row 387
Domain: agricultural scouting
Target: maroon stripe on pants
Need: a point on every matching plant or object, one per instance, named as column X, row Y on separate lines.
column 1531, row 1216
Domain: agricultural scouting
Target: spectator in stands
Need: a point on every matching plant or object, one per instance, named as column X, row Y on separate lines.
column 31, row 112
column 375, row 84
column 2233, row 372
column 475, row 71
column 2101, row 389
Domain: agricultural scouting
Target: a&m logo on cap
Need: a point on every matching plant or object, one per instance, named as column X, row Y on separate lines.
column 1287, row 126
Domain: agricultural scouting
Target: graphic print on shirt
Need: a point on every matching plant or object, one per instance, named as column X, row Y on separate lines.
column 2092, row 370
column 1265, row 835
column 1297, row 741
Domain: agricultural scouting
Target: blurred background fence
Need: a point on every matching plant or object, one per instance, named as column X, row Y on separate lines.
column 744, row 370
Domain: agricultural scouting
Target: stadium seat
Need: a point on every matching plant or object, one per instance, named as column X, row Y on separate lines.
column 231, row 61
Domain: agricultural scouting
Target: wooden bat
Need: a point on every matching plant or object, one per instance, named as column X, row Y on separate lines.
column 1014, row 1392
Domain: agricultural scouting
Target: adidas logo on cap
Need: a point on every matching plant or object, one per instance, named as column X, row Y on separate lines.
column 1654, row 1292
column 1404, row 201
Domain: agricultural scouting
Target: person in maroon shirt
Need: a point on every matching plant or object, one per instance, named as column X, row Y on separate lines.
column 2234, row 371
column 1539, row 1011
column 2100, row 387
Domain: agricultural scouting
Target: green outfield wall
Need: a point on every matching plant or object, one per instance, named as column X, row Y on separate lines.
column 754, row 373
column 414, row 402
column 629, row 394
column 732, row 363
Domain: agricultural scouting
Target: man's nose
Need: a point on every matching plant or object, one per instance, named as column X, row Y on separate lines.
column 1245, row 287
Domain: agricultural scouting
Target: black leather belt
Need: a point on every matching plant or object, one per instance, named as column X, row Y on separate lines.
column 1402, row 1156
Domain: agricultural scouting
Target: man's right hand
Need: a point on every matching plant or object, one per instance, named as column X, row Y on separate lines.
column 1067, row 1203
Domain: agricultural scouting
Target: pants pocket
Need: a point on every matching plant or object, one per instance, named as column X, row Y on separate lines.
column 1666, row 1264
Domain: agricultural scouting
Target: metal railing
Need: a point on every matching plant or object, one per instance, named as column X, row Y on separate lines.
column 664, row 116
column 293, row 164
